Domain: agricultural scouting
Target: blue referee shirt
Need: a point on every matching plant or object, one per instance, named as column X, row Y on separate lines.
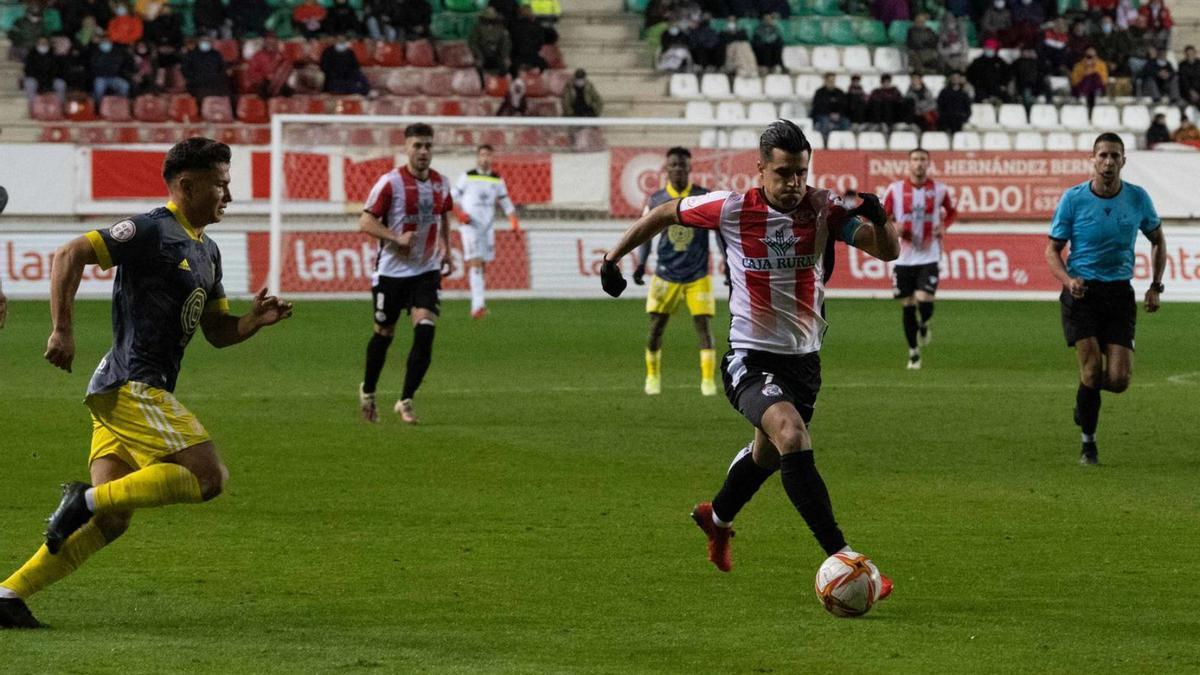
column 1102, row 230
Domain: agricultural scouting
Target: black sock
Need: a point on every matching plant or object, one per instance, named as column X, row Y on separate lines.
column 744, row 479
column 910, row 325
column 376, row 355
column 808, row 493
column 419, row 358
column 926, row 309
column 1087, row 401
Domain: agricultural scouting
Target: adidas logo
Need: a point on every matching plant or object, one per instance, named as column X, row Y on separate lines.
column 183, row 265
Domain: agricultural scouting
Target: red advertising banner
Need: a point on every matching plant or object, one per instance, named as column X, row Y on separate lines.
column 128, row 174
column 636, row 173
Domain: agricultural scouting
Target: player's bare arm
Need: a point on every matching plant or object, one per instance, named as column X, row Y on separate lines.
column 444, row 246
column 65, row 275
column 879, row 237
column 643, row 230
column 3, row 309
column 369, row 224
column 1058, row 268
column 224, row 330
column 1158, row 261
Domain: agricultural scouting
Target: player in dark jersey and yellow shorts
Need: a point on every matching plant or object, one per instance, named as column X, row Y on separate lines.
column 147, row 448
column 681, row 273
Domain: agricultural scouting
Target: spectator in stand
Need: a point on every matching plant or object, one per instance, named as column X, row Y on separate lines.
column 1189, row 77
column 342, row 73
column 490, row 44
column 99, row 9
column 125, row 28
column 309, row 18
column 210, row 19
column 674, row 55
column 1186, row 133
column 141, row 80
column 147, row 9
column 509, row 8
column 380, row 19
column 996, row 22
column 1031, row 78
column 76, row 71
column 89, row 31
column 168, row 69
column 888, row 11
column 990, row 76
column 204, row 71
column 413, row 17
column 268, row 71
column 920, row 104
column 1158, row 22
column 739, row 55
column 165, row 29
column 954, row 105
column 1157, row 78
column 44, row 72
column 1139, row 53
column 885, row 107
column 708, row 52
column 580, row 98
column 1114, row 46
column 1078, row 43
column 922, row 45
column 952, row 44
column 779, row 8
column 25, row 32
column 1127, row 13
column 856, row 101
column 341, row 19
column 307, row 78
column 1089, row 78
column 829, row 111
column 1158, row 132
column 515, row 103
column 1102, row 7
column 110, row 68
column 249, row 17
column 528, row 38
column 546, row 11
column 742, row 9
column 768, row 45
column 1027, row 17
column 1054, row 47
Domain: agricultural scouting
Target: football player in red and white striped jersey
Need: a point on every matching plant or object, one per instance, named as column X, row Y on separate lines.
column 779, row 246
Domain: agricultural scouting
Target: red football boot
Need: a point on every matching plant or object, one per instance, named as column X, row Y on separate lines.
column 718, row 537
column 885, row 587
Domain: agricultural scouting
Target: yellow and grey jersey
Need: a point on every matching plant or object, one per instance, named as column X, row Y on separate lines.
column 478, row 193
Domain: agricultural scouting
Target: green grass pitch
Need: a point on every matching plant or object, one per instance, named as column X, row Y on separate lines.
column 537, row 521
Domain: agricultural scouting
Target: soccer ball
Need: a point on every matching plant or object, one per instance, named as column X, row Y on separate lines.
column 848, row 584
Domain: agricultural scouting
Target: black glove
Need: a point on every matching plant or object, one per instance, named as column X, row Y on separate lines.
column 639, row 275
column 610, row 278
column 871, row 209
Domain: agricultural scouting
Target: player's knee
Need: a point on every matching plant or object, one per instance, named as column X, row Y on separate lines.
column 1118, row 383
column 790, row 438
column 212, row 481
column 385, row 331
column 1091, row 375
column 113, row 525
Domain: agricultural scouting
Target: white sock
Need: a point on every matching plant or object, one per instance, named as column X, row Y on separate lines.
column 7, row 593
column 89, row 497
column 718, row 522
column 914, row 352
column 1088, row 438
column 475, row 276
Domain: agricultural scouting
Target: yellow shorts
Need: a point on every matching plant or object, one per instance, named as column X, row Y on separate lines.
column 663, row 296
column 140, row 425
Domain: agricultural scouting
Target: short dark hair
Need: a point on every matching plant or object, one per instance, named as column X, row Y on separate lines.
column 784, row 135
column 418, row 129
column 194, row 154
column 485, row 146
column 918, row 149
column 679, row 151
column 1108, row 137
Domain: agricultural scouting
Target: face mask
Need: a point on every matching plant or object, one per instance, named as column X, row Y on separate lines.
column 43, row 49
column 579, row 83
column 998, row 4
column 205, row 45
column 341, row 46
column 989, row 53
column 106, row 46
column 1106, row 27
column 121, row 11
column 674, row 31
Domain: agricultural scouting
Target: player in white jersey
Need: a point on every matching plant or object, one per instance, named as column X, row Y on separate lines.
column 779, row 249
column 407, row 211
column 922, row 210
column 475, row 197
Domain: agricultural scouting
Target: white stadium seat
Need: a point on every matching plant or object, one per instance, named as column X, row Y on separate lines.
column 714, row 138
column 806, row 125
column 1137, row 117
column 1084, row 141
column 698, row 111
column 795, row 58
column 743, row 138
column 762, row 111
column 857, row 59
column 825, row 59
column 902, row 82
column 966, row 140
column 1009, row 55
column 1106, row 118
column 1129, row 140
column 1043, row 116
column 1059, row 84
column 807, row 85
column 1060, row 140
column 794, row 111
column 1173, row 118
column 870, row 83
column 748, row 88
column 1012, row 116
column 777, row 86
column 842, row 81
column 842, row 140
column 1029, row 140
column 872, row 140
column 1075, row 118
column 974, row 53
column 814, row 139
column 1193, row 114
column 715, row 86
column 935, row 84
column 903, row 141
column 997, row 140
column 888, row 60
column 983, row 117
column 684, row 85
column 935, row 140
column 730, row 111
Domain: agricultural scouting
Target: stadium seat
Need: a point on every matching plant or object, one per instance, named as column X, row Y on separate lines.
column 386, row 105
column 715, row 86
column 557, row 80
column 778, row 86
column 743, row 138
column 552, row 56
column 902, row 81
column 871, row 32
column 728, row 111
column 46, row 108
column 389, row 54
column 535, row 87
column 1075, row 118
column 1029, row 140
column 898, row 31
column 230, row 50
column 1043, row 116
column 870, row 82
column 1136, row 116
column 348, row 105
column 872, row 140
column 80, row 109
column 935, row 84
column 294, row 50
column 840, row 32
column 419, row 53
column 55, row 134
column 94, row 135
column 857, row 59
column 545, row 107
column 826, row 59
column 1174, row 118
column 1060, row 140
column 699, row 111
column 684, row 85
column 216, row 109
column 903, row 141
column 935, row 140
column 997, row 141
column 748, row 88
column 284, row 105
column 1129, row 140
column 807, row 86
column 495, row 85
column 794, row 111
column 817, row 141
column 795, row 58
column 363, row 52
column 1084, row 141
column 251, row 109
column 404, row 82
column 714, row 138
column 807, row 31
column 842, row 140
column 888, row 60
column 465, row 82
column 437, row 81
column 115, row 109
column 150, row 108
column 1012, row 116
column 762, row 111
column 132, row 134
column 1106, row 118
column 966, row 140
column 455, row 55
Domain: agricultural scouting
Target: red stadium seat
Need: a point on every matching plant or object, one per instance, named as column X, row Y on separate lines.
column 479, row 106
column 389, row 54
column 230, row 50
column 240, row 80
column 396, row 137
column 248, row 135
column 437, row 82
column 362, row 137
column 419, row 53
column 556, row 80
column 494, row 137
column 252, row 109
column 150, row 108
column 94, row 135
column 544, row 107
column 115, row 109
column 284, row 105
column 465, row 82
column 55, row 135
column 47, row 108
column 183, row 108
column 528, row 138
column 534, row 86
column 450, row 107
column 362, row 52
column 404, row 82
column 464, row 137
column 348, row 105
column 552, row 56
column 293, row 49
column 377, row 77
column 315, row 105
column 216, row 109
column 455, row 55
column 127, row 134
column 81, row 110
column 419, row 107
column 227, row 134
column 165, row 134
column 387, row 105
column 495, row 85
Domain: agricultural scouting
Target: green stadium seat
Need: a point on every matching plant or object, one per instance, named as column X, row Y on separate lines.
column 1065, row 6
column 898, row 32
column 9, row 15
column 748, row 25
column 653, row 36
column 444, row 26
column 972, row 34
column 463, row 5
column 799, row 7
column 871, row 32
column 840, row 32
column 826, row 7
column 807, row 31
column 785, row 31
column 638, row 6
column 280, row 22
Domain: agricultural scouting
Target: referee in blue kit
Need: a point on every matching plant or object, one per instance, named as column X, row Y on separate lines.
column 1101, row 219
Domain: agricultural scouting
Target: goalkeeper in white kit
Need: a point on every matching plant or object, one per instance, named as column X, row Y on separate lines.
column 475, row 197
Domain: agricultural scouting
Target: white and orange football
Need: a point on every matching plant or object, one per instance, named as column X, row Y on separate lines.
column 848, row 584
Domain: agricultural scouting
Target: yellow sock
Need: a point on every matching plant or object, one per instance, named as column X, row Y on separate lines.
column 653, row 361
column 44, row 569
column 708, row 364
column 155, row 485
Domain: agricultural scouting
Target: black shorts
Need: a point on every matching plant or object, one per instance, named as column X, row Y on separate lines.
column 755, row 381
column 393, row 295
column 908, row 279
column 1107, row 311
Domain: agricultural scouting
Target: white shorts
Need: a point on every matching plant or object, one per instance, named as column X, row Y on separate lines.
column 478, row 243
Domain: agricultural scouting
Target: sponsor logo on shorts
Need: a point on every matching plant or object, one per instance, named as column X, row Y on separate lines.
column 772, row 390
column 123, row 231
column 380, row 317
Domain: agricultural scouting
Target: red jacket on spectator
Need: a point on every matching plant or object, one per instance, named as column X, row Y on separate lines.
column 125, row 30
column 305, row 13
column 1102, row 5
column 1163, row 21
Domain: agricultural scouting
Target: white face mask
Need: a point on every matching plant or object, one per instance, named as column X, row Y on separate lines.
column 43, row 49
column 121, row 10
column 998, row 4
column 106, row 46
column 1106, row 27
column 341, row 46
column 989, row 53
column 205, row 45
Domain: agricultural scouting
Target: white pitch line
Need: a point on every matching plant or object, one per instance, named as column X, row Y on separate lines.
column 1185, row 378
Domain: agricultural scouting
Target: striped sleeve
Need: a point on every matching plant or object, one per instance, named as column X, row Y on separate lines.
column 379, row 201
column 702, row 211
